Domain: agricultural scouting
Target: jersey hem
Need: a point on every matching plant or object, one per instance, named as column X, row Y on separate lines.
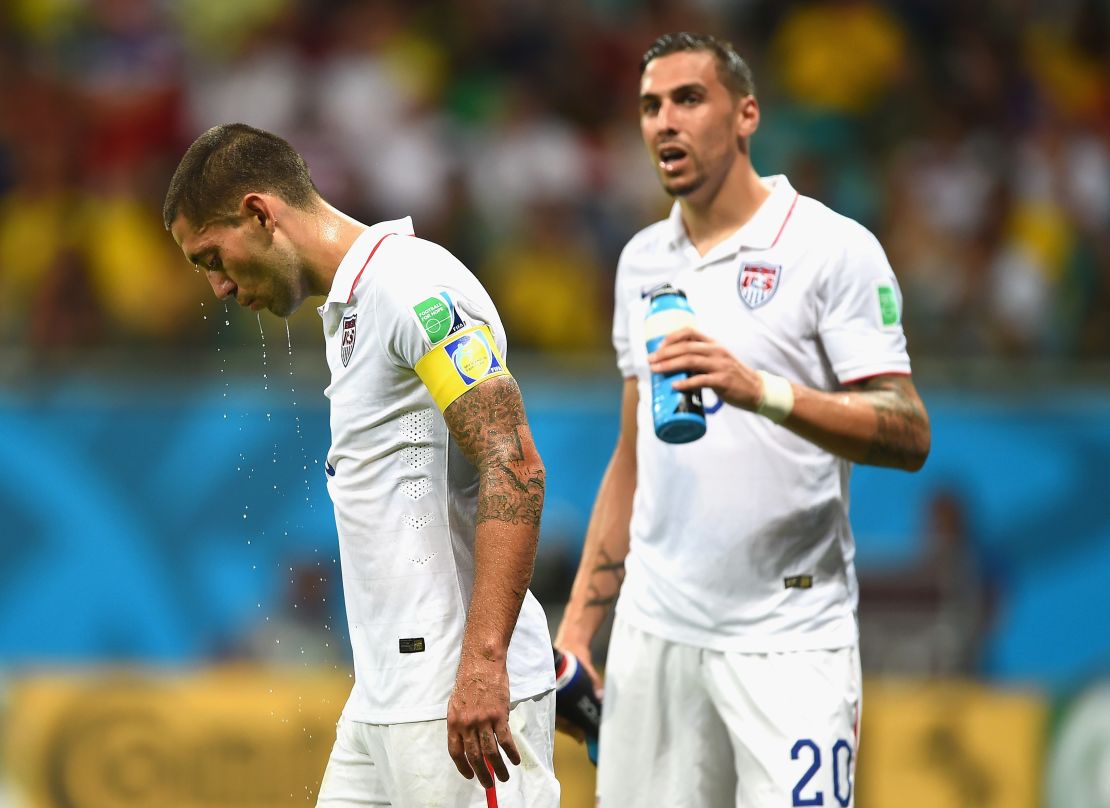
column 525, row 692
column 858, row 379
column 844, row 636
column 860, row 372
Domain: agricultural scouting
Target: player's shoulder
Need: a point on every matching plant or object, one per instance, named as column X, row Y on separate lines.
column 647, row 248
column 413, row 254
column 649, row 241
column 832, row 229
column 410, row 263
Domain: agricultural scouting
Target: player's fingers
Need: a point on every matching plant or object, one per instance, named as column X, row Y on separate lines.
column 686, row 363
column 684, row 348
column 684, row 335
column 710, row 380
column 493, row 755
column 567, row 728
column 508, row 743
column 595, row 677
column 457, row 750
column 477, row 760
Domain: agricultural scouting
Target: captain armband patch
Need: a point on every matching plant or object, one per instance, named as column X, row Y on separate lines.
column 464, row 361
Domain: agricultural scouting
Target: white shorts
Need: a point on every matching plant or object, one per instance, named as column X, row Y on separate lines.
column 407, row 765
column 685, row 726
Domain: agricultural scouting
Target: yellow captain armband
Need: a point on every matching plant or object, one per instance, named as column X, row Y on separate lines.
column 459, row 363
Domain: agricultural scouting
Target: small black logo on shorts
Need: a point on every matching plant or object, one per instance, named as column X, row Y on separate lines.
column 411, row 645
column 798, row 582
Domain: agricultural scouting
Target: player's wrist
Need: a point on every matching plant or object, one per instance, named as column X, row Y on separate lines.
column 776, row 401
column 579, row 625
column 571, row 640
column 484, row 651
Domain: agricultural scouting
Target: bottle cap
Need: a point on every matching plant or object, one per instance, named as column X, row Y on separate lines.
column 665, row 289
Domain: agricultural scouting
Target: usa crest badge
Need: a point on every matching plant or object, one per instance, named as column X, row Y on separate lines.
column 758, row 283
column 347, row 342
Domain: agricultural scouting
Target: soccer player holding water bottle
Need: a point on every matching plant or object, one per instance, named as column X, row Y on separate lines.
column 733, row 673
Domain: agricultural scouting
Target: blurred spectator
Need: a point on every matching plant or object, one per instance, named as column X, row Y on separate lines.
column 975, row 140
column 550, row 284
column 264, row 83
column 65, row 314
column 526, row 156
column 931, row 618
column 301, row 630
column 841, row 56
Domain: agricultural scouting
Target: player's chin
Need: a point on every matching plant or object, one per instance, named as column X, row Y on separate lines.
column 283, row 308
column 680, row 186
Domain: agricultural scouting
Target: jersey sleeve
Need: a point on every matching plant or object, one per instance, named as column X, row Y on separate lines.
column 435, row 318
column 860, row 312
column 620, row 321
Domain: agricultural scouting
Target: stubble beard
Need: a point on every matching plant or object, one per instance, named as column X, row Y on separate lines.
column 684, row 185
column 677, row 190
column 288, row 290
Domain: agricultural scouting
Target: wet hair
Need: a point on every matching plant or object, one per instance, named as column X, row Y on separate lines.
column 229, row 161
column 732, row 71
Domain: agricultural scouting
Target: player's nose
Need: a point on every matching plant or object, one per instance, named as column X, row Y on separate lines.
column 223, row 286
column 665, row 118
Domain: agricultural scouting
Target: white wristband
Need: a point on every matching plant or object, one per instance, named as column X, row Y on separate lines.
column 778, row 397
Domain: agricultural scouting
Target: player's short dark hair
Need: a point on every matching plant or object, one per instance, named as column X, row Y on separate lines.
column 232, row 160
column 733, row 71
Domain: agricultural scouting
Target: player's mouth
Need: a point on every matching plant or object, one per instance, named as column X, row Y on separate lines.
column 672, row 159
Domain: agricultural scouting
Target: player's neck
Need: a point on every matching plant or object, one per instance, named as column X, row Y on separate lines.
column 711, row 219
column 328, row 235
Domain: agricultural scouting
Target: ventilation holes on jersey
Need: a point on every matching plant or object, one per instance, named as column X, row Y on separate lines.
column 418, row 456
column 424, row 560
column 416, row 488
column 417, row 426
column 417, row 522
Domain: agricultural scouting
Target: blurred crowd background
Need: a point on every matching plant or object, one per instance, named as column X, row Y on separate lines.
column 973, row 138
column 161, row 498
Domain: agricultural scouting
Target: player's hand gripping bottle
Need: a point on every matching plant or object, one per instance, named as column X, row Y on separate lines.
column 575, row 699
column 679, row 415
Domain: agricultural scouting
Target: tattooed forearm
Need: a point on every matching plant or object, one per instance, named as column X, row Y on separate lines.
column 605, row 581
column 902, row 434
column 489, row 425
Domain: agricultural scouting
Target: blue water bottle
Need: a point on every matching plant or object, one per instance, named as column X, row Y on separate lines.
column 575, row 699
column 679, row 415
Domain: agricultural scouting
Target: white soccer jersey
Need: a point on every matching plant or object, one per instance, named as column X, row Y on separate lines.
column 740, row 540
column 404, row 494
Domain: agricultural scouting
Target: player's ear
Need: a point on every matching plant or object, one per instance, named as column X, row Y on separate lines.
column 259, row 208
column 747, row 117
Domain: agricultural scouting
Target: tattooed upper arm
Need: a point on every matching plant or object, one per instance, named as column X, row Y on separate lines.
column 902, row 433
column 490, row 427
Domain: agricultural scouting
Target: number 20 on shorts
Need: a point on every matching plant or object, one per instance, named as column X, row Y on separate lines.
column 804, row 794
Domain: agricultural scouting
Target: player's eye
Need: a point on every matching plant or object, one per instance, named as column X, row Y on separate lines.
column 649, row 107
